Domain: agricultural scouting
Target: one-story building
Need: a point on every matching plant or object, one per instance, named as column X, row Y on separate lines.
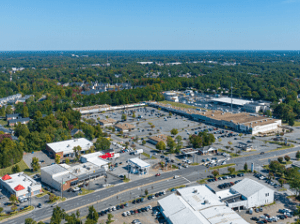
column 65, row 148
column 20, row 185
column 138, row 166
column 107, row 122
column 206, row 150
column 197, row 205
column 14, row 122
column 12, row 116
column 125, row 127
column 63, row 176
column 154, row 139
column 96, row 159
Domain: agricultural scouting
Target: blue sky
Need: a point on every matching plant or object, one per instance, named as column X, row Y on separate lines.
column 149, row 25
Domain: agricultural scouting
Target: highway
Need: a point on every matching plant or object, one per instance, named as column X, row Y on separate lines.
column 127, row 191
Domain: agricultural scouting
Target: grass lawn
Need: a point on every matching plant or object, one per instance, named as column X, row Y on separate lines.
column 17, row 213
column 148, row 156
column 3, row 122
column 182, row 105
column 297, row 124
column 222, row 166
column 8, row 170
column 85, row 191
column 282, row 148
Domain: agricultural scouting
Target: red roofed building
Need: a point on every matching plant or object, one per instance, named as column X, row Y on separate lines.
column 6, row 177
column 21, row 185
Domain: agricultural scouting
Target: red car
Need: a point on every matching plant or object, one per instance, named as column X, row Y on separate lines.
column 157, row 175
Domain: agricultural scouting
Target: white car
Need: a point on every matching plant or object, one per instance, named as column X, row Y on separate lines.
column 149, row 206
column 176, row 176
column 124, row 214
column 128, row 213
column 76, row 189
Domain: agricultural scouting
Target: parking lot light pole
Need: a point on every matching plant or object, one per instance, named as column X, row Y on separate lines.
column 62, row 187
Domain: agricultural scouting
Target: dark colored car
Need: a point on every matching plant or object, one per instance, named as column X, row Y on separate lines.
column 254, row 218
column 122, row 206
column 142, row 199
column 139, row 210
column 39, row 205
column 132, row 212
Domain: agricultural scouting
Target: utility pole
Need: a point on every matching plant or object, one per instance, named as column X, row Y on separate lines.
column 62, row 186
column 231, row 96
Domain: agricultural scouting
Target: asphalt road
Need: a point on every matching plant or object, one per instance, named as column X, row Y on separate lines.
column 188, row 175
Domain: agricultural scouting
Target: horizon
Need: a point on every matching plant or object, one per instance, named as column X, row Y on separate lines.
column 170, row 25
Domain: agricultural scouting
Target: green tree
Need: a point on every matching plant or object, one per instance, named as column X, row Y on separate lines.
column 109, row 218
column 77, row 150
column 252, row 138
column 9, row 109
column 146, row 192
column 38, row 115
column 13, row 199
column 16, row 169
column 281, row 181
column 30, row 221
column 124, row 117
column 231, row 170
column 298, row 155
column 246, row 167
column 144, row 142
column 174, row 131
column 58, row 215
column 102, row 144
column 171, row 143
column 280, row 159
column 35, row 164
column 25, row 112
column 67, row 160
column 2, row 112
column 57, row 159
column 21, row 130
column 160, row 146
column 240, row 134
column 1, row 209
column 220, row 140
column 215, row 173
column 92, row 215
column 287, row 158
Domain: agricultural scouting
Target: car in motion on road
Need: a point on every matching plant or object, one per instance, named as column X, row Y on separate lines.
column 157, row 175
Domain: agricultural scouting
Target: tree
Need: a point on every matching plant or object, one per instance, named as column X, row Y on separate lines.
column 171, row 143
column 280, row 159
column 287, row 158
column 215, row 173
column 170, row 114
column 231, row 170
column 133, row 115
column 13, row 199
column 77, row 150
column 1, row 209
column 220, row 140
column 146, row 192
column 16, row 169
column 143, row 142
column 252, row 138
column 25, row 112
column 57, row 159
column 298, row 155
column 35, row 164
column 174, row 131
column 246, row 167
column 67, row 160
column 21, row 130
column 9, row 109
column 240, row 134
column 58, row 215
column 124, row 117
column 30, row 221
column 229, row 143
column 93, row 215
column 282, row 181
column 109, row 218
column 102, row 144
column 161, row 145
column 179, row 142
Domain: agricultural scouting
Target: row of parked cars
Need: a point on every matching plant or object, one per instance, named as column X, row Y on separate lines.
column 262, row 177
column 265, row 218
column 140, row 210
column 213, row 179
column 225, row 185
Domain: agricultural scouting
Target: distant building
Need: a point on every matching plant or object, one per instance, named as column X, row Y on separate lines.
column 20, row 184
column 206, row 150
column 13, row 122
column 12, row 116
column 154, row 139
column 65, row 148
column 125, row 127
column 138, row 166
column 107, row 122
column 95, row 158
column 171, row 96
column 75, row 131
column 145, row 62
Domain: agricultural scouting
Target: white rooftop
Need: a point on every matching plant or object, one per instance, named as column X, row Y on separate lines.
column 248, row 187
column 139, row 162
column 21, row 179
column 97, row 161
column 239, row 102
column 92, row 155
column 224, row 194
column 68, row 145
column 198, row 205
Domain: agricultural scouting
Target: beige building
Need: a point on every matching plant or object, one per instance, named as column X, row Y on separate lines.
column 125, row 127
column 158, row 138
column 107, row 122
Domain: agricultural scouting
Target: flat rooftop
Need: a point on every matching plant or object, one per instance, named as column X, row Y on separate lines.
column 158, row 138
column 21, row 179
column 124, row 126
column 68, row 145
column 227, row 100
